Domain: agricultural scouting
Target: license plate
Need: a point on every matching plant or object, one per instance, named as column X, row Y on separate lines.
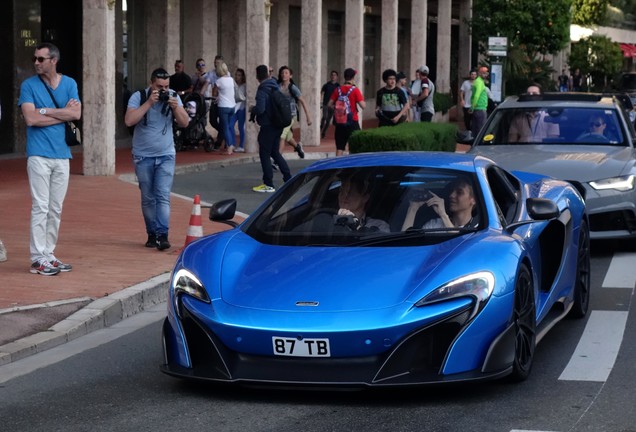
column 300, row 348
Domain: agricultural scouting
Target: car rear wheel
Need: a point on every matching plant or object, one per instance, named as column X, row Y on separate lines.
column 525, row 325
column 582, row 288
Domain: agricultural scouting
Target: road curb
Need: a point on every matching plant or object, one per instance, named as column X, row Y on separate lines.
column 101, row 313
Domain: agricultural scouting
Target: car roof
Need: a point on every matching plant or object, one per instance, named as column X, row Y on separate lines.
column 446, row 160
column 572, row 100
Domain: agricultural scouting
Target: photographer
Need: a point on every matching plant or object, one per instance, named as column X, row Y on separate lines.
column 152, row 115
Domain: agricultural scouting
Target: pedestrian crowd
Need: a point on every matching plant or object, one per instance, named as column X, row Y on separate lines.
column 167, row 107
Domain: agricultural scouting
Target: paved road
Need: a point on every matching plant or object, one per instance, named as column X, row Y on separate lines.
column 583, row 377
column 109, row 380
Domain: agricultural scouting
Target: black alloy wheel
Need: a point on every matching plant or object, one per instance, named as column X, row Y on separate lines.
column 581, row 300
column 525, row 325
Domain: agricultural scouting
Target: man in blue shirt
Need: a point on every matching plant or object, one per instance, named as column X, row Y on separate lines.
column 154, row 153
column 47, row 153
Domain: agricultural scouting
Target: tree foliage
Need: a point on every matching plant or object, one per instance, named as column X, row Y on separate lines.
column 598, row 57
column 540, row 26
column 589, row 12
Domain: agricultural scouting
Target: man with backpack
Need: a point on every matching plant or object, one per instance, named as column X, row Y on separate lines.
column 272, row 112
column 345, row 101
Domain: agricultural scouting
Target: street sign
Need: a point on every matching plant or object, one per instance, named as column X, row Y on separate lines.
column 497, row 46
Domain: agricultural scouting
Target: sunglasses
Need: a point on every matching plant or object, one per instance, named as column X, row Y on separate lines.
column 39, row 59
column 162, row 75
column 596, row 124
column 200, row 64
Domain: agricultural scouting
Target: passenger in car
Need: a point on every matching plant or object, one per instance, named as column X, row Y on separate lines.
column 461, row 206
column 531, row 126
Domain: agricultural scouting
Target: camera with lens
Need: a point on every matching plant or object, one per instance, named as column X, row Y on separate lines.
column 164, row 95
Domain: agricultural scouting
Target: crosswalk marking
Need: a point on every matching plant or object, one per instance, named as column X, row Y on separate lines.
column 598, row 347
column 620, row 273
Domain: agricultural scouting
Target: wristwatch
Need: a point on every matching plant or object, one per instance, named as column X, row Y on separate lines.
column 43, row 111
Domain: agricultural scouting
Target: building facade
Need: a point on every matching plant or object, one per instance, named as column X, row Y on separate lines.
column 108, row 43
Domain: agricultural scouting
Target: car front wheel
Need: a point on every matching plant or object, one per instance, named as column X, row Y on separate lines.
column 582, row 283
column 525, row 325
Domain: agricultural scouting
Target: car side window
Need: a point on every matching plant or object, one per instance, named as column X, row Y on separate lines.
column 506, row 192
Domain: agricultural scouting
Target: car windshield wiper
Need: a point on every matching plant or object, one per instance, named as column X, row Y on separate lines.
column 411, row 233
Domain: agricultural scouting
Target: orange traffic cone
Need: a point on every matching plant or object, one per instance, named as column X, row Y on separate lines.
column 195, row 229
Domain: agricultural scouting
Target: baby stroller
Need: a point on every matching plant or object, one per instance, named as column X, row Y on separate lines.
column 194, row 134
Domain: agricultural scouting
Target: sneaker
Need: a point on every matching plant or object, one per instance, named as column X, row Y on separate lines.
column 239, row 150
column 264, row 188
column 3, row 252
column 152, row 241
column 299, row 150
column 56, row 263
column 162, row 242
column 44, row 268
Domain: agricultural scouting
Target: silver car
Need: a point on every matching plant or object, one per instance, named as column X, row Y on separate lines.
column 585, row 139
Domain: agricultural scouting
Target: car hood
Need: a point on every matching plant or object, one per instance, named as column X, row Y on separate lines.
column 327, row 279
column 583, row 163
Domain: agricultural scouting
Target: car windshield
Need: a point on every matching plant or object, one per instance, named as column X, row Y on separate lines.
column 369, row 206
column 554, row 125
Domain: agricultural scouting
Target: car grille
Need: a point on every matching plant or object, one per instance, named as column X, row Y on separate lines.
column 613, row 221
column 419, row 358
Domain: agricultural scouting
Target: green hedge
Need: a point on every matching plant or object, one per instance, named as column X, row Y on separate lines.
column 405, row 137
column 442, row 102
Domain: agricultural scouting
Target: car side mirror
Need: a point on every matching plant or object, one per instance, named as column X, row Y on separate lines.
column 224, row 211
column 465, row 137
column 542, row 209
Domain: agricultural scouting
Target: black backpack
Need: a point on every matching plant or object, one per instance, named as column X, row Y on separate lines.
column 279, row 109
column 143, row 97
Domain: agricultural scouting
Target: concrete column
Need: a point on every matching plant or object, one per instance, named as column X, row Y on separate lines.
column 464, row 54
column 257, row 30
column 419, row 28
column 310, row 66
column 389, row 44
column 443, row 46
column 280, row 34
column 354, row 40
column 163, row 44
column 98, row 93
column 203, row 42
column 464, row 63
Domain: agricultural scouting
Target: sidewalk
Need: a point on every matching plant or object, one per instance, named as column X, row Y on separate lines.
column 102, row 235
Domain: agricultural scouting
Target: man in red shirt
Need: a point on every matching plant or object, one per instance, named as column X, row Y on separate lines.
column 344, row 130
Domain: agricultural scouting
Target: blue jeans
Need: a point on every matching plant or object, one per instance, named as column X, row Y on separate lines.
column 155, row 176
column 240, row 117
column 268, row 149
column 225, row 120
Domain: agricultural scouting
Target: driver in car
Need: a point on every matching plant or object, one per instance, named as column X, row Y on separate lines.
column 352, row 199
column 596, row 130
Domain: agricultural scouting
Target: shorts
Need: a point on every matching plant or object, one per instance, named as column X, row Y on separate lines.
column 287, row 133
column 343, row 133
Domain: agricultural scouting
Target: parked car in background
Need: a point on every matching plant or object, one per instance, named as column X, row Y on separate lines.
column 330, row 283
column 627, row 84
column 586, row 139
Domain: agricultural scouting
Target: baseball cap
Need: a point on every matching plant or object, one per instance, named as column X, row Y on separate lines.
column 400, row 75
column 349, row 73
column 423, row 69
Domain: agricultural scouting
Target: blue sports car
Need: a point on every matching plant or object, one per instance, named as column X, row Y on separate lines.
column 384, row 269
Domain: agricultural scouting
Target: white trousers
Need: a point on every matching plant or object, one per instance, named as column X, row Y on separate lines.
column 48, row 180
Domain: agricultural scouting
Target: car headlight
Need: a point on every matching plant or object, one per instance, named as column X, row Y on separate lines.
column 184, row 282
column 623, row 183
column 478, row 285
